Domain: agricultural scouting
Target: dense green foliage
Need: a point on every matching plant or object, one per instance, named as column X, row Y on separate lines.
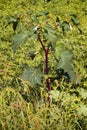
column 24, row 95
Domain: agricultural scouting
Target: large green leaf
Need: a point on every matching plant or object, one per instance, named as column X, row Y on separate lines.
column 19, row 39
column 64, row 58
column 50, row 34
column 33, row 75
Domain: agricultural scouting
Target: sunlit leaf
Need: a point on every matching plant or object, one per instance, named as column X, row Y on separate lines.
column 83, row 93
column 82, row 110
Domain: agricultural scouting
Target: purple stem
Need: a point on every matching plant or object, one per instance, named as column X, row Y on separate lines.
column 46, row 62
column 41, row 43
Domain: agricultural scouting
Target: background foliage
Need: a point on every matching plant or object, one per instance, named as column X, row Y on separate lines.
column 23, row 94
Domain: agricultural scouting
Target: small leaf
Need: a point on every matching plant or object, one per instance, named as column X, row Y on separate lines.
column 14, row 20
column 33, row 54
column 42, row 13
column 33, row 75
column 11, row 19
column 65, row 26
column 74, row 19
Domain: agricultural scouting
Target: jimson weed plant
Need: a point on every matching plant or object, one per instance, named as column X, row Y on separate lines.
column 62, row 56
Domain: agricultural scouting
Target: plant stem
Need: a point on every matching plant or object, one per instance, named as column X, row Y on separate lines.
column 46, row 63
column 41, row 43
